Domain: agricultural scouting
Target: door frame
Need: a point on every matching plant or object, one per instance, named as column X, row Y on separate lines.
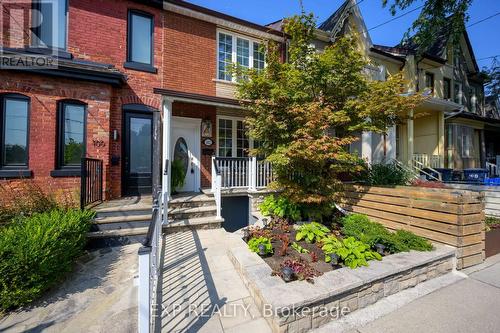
column 138, row 109
column 194, row 124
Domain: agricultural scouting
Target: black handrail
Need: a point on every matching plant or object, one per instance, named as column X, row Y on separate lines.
column 154, row 216
column 91, row 181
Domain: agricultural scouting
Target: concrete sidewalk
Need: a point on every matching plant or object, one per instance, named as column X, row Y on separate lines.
column 468, row 305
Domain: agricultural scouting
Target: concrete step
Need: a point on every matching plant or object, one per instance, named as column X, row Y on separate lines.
column 193, row 223
column 199, row 200
column 117, row 233
column 121, row 218
column 120, row 225
column 183, row 213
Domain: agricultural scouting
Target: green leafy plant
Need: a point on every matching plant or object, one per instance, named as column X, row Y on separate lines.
column 280, row 207
column 330, row 245
column 311, row 232
column 385, row 174
column 178, row 174
column 253, row 245
column 363, row 229
column 299, row 248
column 37, row 251
column 355, row 253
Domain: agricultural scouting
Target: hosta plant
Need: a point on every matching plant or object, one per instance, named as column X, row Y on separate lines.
column 355, row 253
column 330, row 245
column 299, row 248
column 253, row 245
column 311, row 232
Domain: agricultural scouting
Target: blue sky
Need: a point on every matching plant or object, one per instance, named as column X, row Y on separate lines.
column 484, row 36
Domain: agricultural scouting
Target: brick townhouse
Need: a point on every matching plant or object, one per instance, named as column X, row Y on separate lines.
column 118, row 62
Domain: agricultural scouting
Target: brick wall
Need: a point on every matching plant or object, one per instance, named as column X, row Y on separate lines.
column 44, row 93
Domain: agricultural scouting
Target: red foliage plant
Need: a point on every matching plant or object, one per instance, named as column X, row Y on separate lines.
column 314, row 256
column 256, row 232
column 428, row 184
column 301, row 268
column 285, row 243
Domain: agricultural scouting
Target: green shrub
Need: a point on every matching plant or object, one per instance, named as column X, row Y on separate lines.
column 299, row 248
column 37, row 251
column 34, row 200
column 369, row 232
column 386, row 174
column 253, row 245
column 311, row 232
column 178, row 174
column 281, row 207
column 353, row 253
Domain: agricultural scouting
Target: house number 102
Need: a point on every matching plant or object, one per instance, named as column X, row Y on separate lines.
column 99, row 143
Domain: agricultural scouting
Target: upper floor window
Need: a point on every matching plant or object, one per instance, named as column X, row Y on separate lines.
column 14, row 131
column 447, row 89
column 140, row 41
column 429, row 81
column 457, row 93
column 71, row 139
column 239, row 50
column 50, row 19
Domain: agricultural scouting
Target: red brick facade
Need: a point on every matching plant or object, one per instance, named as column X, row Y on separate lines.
column 185, row 53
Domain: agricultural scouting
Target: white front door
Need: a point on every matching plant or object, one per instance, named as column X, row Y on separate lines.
column 186, row 152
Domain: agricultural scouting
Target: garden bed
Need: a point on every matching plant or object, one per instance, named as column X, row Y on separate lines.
column 299, row 306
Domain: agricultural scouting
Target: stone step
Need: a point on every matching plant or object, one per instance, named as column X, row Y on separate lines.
column 121, row 218
column 194, row 201
column 194, row 223
column 117, row 233
column 121, row 225
column 183, row 213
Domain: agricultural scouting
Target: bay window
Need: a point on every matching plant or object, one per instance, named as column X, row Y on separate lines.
column 239, row 50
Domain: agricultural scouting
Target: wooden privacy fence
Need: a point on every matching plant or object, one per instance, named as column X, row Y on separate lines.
column 449, row 216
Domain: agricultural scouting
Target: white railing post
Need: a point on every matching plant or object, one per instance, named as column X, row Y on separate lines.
column 218, row 203
column 166, row 163
column 144, row 291
column 214, row 175
column 252, row 171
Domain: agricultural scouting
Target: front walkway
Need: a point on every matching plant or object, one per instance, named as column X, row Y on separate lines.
column 201, row 290
column 100, row 296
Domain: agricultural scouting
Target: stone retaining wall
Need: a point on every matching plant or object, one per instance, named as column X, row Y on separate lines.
column 299, row 306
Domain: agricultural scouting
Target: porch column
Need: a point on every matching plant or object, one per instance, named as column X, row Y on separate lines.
column 410, row 138
column 391, row 144
column 482, row 147
column 441, row 132
column 166, row 163
column 366, row 146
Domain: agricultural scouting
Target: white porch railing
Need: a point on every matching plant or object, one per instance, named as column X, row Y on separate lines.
column 428, row 161
column 149, row 270
column 242, row 172
column 493, row 169
column 216, row 186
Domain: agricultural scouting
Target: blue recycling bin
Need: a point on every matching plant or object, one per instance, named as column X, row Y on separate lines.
column 446, row 174
column 475, row 175
column 492, row 181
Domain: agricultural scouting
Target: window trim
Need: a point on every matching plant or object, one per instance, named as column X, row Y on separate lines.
column 14, row 171
column 235, row 36
column 135, row 65
column 234, row 126
column 61, row 50
column 62, row 170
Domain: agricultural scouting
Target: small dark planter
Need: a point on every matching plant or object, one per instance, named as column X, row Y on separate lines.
column 334, row 260
column 262, row 250
column 492, row 242
column 287, row 273
column 380, row 249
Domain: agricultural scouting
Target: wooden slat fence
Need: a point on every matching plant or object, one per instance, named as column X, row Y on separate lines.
column 449, row 216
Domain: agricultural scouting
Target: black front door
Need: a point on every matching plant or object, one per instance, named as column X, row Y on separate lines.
column 138, row 153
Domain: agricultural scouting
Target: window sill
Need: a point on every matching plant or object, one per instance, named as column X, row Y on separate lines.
column 140, row 67
column 225, row 82
column 15, row 173
column 66, row 173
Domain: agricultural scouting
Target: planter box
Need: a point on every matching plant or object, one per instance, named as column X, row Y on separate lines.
column 448, row 216
column 300, row 306
column 492, row 242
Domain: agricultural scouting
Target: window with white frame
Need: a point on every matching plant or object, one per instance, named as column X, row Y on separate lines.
column 232, row 138
column 240, row 50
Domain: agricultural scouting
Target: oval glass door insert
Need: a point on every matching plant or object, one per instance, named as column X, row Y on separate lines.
column 181, row 153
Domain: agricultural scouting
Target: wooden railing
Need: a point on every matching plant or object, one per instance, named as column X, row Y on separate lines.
column 242, row 172
column 91, row 181
column 428, row 161
column 149, row 270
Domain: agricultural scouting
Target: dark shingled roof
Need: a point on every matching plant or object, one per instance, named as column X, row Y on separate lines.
column 330, row 23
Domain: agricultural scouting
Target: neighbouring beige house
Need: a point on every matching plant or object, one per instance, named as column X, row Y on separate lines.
column 452, row 128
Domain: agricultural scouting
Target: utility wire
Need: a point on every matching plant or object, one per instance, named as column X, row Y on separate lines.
column 395, row 18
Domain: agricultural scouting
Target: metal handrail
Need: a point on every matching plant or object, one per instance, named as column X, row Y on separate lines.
column 91, row 181
column 420, row 170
